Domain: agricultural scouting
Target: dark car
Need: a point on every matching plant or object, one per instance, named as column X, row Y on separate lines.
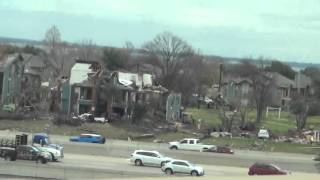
column 221, row 149
column 9, row 154
column 28, row 152
column 25, row 152
column 265, row 169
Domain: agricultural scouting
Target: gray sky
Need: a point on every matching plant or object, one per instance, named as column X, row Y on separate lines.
column 288, row 30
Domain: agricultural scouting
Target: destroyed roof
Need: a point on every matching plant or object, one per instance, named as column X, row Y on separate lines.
column 237, row 80
column 141, row 81
column 131, row 81
column 156, row 89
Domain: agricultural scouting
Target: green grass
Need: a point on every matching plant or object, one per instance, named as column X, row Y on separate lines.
column 269, row 146
column 210, row 116
column 278, row 126
column 243, row 143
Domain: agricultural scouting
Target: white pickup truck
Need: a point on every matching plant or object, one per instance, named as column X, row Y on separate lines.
column 190, row 144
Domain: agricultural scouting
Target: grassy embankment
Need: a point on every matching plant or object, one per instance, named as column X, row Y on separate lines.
column 207, row 115
column 278, row 126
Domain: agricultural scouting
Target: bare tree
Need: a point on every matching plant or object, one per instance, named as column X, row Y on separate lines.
column 52, row 38
column 88, row 50
column 227, row 118
column 129, row 47
column 300, row 106
column 170, row 48
column 57, row 50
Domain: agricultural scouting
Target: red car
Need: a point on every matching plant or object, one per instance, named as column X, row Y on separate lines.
column 221, row 149
column 265, row 169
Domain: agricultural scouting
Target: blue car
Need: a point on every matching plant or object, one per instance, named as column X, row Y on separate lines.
column 90, row 138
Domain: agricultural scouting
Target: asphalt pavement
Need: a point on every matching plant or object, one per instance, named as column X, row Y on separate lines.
column 96, row 161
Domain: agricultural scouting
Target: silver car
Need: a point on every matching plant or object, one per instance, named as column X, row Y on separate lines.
column 151, row 158
column 181, row 166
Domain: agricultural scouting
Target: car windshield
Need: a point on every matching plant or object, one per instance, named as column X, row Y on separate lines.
column 47, row 140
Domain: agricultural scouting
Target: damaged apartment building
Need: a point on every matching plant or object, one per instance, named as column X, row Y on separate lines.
column 78, row 91
column 83, row 92
column 134, row 88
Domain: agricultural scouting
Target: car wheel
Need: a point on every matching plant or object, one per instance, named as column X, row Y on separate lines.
column 174, row 147
column 162, row 164
column 138, row 162
column 43, row 161
column 168, row 171
column 204, row 150
column 194, row 173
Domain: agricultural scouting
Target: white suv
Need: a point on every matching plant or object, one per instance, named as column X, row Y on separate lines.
column 181, row 166
column 151, row 158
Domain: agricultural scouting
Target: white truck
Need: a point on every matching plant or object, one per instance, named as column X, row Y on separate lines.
column 190, row 144
column 42, row 141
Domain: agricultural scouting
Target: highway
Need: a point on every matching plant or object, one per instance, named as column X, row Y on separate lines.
column 94, row 161
column 95, row 167
column 241, row 158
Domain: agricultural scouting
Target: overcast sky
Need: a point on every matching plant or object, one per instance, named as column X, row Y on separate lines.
column 288, row 30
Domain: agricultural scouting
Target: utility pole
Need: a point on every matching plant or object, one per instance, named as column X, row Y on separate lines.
column 220, row 76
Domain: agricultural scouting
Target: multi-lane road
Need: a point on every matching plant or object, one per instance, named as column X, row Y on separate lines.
column 91, row 161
